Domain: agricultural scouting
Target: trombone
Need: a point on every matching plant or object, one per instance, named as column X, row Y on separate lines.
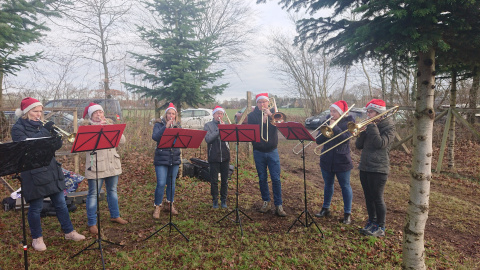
column 311, row 133
column 356, row 129
column 69, row 136
column 327, row 130
column 277, row 117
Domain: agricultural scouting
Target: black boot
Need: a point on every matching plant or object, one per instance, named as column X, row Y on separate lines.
column 347, row 218
column 325, row 212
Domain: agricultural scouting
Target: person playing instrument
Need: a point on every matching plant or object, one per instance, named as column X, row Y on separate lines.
column 265, row 154
column 375, row 144
column 109, row 169
column 218, row 157
column 337, row 162
column 166, row 162
column 42, row 182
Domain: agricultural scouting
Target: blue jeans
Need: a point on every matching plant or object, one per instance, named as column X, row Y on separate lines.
column 112, row 198
column 272, row 161
column 344, row 181
column 163, row 172
column 36, row 206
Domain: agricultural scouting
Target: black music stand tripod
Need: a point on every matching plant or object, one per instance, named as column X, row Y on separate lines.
column 178, row 138
column 102, row 139
column 17, row 157
column 296, row 131
column 238, row 133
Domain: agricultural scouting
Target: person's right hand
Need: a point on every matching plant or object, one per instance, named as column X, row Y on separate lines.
column 49, row 126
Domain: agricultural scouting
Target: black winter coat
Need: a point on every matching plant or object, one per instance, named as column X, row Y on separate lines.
column 337, row 159
column 218, row 151
column 44, row 181
column 255, row 117
column 164, row 156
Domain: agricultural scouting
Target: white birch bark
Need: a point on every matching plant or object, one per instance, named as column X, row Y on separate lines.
column 418, row 205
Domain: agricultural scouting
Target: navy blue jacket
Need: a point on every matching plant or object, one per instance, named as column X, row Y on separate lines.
column 164, row 156
column 255, row 117
column 43, row 181
column 337, row 159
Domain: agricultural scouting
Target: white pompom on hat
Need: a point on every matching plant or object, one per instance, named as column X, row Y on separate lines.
column 377, row 105
column 91, row 108
column 26, row 105
column 341, row 106
column 170, row 106
column 261, row 96
column 218, row 108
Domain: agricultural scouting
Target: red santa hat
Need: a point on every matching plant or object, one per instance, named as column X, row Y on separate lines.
column 377, row 105
column 26, row 105
column 341, row 106
column 170, row 106
column 218, row 108
column 91, row 108
column 261, row 96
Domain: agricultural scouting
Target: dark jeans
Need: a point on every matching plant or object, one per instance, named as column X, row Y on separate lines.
column 269, row 160
column 215, row 168
column 36, row 206
column 373, row 185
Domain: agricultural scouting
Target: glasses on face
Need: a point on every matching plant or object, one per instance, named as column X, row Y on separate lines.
column 371, row 111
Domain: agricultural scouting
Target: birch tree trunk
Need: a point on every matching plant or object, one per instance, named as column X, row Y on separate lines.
column 418, row 205
column 473, row 95
column 451, row 130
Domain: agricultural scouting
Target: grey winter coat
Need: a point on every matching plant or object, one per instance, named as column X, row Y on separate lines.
column 375, row 143
column 218, row 151
column 109, row 163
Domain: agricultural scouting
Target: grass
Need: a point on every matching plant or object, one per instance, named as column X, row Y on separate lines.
column 265, row 243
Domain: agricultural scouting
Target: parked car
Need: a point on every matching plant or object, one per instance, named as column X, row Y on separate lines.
column 196, row 118
column 238, row 115
column 314, row 122
column 62, row 120
column 112, row 107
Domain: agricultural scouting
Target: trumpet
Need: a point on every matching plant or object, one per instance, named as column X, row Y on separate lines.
column 278, row 117
column 356, row 129
column 173, row 125
column 311, row 133
column 69, row 136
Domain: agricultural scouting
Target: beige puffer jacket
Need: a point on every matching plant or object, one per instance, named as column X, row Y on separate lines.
column 108, row 159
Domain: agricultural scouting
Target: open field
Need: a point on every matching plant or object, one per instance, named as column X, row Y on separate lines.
column 452, row 232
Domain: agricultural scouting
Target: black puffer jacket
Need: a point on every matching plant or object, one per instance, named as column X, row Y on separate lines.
column 375, row 143
column 218, row 151
column 255, row 117
column 164, row 156
column 44, row 181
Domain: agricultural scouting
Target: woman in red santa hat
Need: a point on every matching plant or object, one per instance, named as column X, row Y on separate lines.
column 337, row 162
column 42, row 182
column 375, row 143
column 166, row 162
column 109, row 169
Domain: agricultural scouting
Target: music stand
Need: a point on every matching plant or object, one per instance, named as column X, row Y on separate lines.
column 17, row 157
column 238, row 133
column 296, row 131
column 93, row 138
column 178, row 138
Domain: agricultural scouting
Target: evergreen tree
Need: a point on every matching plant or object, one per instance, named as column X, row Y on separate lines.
column 394, row 28
column 179, row 70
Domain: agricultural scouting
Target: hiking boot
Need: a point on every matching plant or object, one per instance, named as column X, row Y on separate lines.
column 38, row 244
column 167, row 205
column 156, row 212
column 376, row 231
column 74, row 236
column 279, row 211
column 224, row 203
column 367, row 227
column 264, row 207
column 93, row 229
column 119, row 220
column 325, row 212
column 215, row 204
column 347, row 218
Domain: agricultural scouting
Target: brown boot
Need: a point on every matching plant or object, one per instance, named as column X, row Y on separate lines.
column 166, row 208
column 119, row 220
column 93, row 229
column 156, row 212
column 174, row 211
